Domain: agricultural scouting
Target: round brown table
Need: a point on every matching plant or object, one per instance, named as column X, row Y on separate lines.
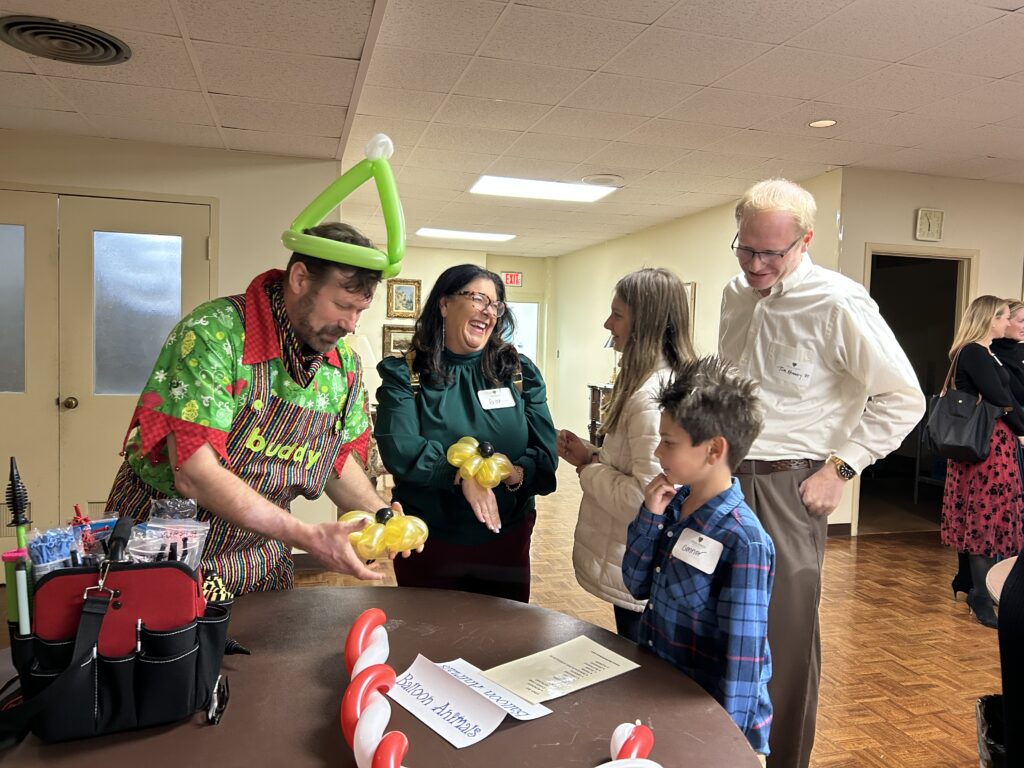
column 285, row 698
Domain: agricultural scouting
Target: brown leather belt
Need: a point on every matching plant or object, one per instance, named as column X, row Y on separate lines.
column 761, row 467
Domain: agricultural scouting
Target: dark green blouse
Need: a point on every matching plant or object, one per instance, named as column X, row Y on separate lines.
column 414, row 430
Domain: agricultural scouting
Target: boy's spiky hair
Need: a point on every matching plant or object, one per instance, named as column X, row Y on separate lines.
column 708, row 398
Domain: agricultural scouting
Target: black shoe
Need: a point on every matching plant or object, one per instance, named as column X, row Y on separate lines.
column 981, row 609
column 962, row 583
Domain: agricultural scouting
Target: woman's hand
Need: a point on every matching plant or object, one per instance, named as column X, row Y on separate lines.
column 572, row 449
column 483, row 503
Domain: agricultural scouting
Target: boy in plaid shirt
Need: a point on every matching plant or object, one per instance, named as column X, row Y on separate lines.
column 699, row 555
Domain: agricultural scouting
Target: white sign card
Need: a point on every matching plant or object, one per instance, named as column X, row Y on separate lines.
column 474, row 679
column 557, row 671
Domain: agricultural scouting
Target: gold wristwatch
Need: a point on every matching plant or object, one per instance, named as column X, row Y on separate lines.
column 844, row 470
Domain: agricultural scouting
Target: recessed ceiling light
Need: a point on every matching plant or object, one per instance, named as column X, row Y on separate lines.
column 826, row 123
column 604, row 180
column 505, row 186
column 455, row 234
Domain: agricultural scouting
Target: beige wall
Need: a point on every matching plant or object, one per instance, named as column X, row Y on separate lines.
column 536, row 285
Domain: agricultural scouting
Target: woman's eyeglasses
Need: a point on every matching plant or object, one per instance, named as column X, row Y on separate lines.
column 483, row 302
column 743, row 253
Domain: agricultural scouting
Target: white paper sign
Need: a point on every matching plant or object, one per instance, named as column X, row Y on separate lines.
column 560, row 670
column 474, row 679
column 459, row 715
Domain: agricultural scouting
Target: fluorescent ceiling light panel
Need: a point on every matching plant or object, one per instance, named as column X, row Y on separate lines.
column 455, row 234
column 505, row 186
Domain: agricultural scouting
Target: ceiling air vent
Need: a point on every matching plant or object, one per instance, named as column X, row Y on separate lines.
column 63, row 41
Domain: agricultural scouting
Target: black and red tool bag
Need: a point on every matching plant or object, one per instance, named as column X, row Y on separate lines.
column 121, row 646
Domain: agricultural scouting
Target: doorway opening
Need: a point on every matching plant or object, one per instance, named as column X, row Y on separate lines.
column 920, row 298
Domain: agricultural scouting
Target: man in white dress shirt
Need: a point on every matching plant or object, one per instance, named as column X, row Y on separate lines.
column 839, row 394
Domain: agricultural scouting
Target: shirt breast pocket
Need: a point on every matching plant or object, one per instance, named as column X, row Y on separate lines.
column 687, row 586
column 790, row 367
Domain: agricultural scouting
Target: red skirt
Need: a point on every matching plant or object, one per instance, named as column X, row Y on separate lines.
column 982, row 507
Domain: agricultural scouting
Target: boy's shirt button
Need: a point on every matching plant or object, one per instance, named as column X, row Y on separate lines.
column 669, row 534
column 661, row 526
column 657, row 569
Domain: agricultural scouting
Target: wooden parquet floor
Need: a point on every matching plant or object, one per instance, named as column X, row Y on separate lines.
column 902, row 663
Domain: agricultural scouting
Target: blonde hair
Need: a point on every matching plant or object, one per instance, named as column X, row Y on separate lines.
column 660, row 328
column 1015, row 305
column 779, row 195
column 976, row 322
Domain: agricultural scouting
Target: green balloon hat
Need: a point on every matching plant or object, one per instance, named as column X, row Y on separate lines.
column 376, row 165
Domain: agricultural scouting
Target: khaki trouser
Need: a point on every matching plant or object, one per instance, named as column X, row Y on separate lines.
column 793, row 634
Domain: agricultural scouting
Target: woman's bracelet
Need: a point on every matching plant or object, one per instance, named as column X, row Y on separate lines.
column 518, row 485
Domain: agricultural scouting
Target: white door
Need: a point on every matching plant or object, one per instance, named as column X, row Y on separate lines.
column 527, row 315
column 89, row 288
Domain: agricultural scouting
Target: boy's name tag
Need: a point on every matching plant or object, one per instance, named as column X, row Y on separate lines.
column 698, row 550
column 495, row 398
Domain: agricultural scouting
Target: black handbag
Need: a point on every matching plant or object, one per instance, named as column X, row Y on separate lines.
column 122, row 646
column 960, row 425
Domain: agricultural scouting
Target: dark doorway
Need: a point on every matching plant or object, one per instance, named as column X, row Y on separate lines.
column 918, row 299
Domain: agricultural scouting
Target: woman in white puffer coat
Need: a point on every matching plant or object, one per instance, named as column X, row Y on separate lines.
column 650, row 327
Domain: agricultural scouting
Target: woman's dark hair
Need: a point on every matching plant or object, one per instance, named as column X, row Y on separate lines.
column 499, row 361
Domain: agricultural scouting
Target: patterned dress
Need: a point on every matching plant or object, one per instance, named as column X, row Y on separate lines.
column 234, row 375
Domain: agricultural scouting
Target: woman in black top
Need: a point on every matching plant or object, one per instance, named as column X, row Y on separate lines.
column 982, row 506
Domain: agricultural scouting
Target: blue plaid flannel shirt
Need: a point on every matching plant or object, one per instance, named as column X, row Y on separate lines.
column 714, row 627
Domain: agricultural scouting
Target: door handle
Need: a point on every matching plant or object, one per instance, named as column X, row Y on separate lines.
column 70, row 403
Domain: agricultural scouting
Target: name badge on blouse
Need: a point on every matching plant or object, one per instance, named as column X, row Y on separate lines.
column 698, row 550
column 490, row 399
column 796, row 372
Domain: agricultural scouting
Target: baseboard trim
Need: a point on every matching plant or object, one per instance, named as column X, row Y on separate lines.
column 839, row 529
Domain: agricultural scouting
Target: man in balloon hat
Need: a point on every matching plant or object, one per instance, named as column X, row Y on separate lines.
column 255, row 399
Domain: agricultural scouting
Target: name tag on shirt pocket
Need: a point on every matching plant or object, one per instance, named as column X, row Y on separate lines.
column 698, row 550
column 491, row 399
column 790, row 366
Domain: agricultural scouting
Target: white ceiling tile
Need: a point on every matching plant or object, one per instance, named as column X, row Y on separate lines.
column 773, row 22
column 436, row 177
column 705, row 200
column 1003, row 5
column 848, row 118
column 564, row 121
column 519, row 81
column 470, row 162
column 402, row 132
column 714, row 164
column 629, row 175
column 716, row 106
column 158, row 131
column 881, row 29
column 672, row 133
column 761, row 143
column 1014, row 177
column 642, row 11
column 837, row 152
column 995, row 141
column 398, row 102
column 675, row 182
column 44, row 121
column 156, row 61
column 548, row 147
column 455, row 26
column 278, row 116
column 330, row 28
column 409, row 189
column 901, row 87
column 135, row 101
column 912, row 161
column 31, row 92
column 974, row 168
column 908, row 130
column 735, row 187
column 144, row 15
column 461, row 137
column 13, row 60
column 490, row 113
column 629, row 95
column 683, row 57
column 643, row 156
column 289, row 145
column 531, row 168
column 990, row 103
column 558, row 39
column 994, row 50
column 276, row 74
column 797, row 73
column 416, row 70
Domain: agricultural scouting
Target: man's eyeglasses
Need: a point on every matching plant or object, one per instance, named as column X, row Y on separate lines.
column 483, row 302
column 768, row 257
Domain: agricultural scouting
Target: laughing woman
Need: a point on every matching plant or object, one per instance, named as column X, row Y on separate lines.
column 462, row 378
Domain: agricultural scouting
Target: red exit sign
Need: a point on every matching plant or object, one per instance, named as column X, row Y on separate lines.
column 513, row 279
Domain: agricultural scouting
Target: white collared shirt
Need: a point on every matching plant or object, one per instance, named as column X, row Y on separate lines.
column 819, row 349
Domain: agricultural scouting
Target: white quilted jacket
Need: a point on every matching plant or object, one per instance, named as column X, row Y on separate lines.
column 613, row 491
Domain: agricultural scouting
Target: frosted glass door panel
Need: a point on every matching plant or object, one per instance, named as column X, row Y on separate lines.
column 12, row 308
column 137, row 290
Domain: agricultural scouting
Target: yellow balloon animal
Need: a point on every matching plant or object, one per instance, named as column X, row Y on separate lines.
column 384, row 532
column 479, row 461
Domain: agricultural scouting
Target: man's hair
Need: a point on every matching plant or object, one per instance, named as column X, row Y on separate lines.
column 779, row 195
column 708, row 398
column 353, row 279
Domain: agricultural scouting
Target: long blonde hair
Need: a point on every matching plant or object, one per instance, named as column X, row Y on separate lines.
column 660, row 328
column 976, row 322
